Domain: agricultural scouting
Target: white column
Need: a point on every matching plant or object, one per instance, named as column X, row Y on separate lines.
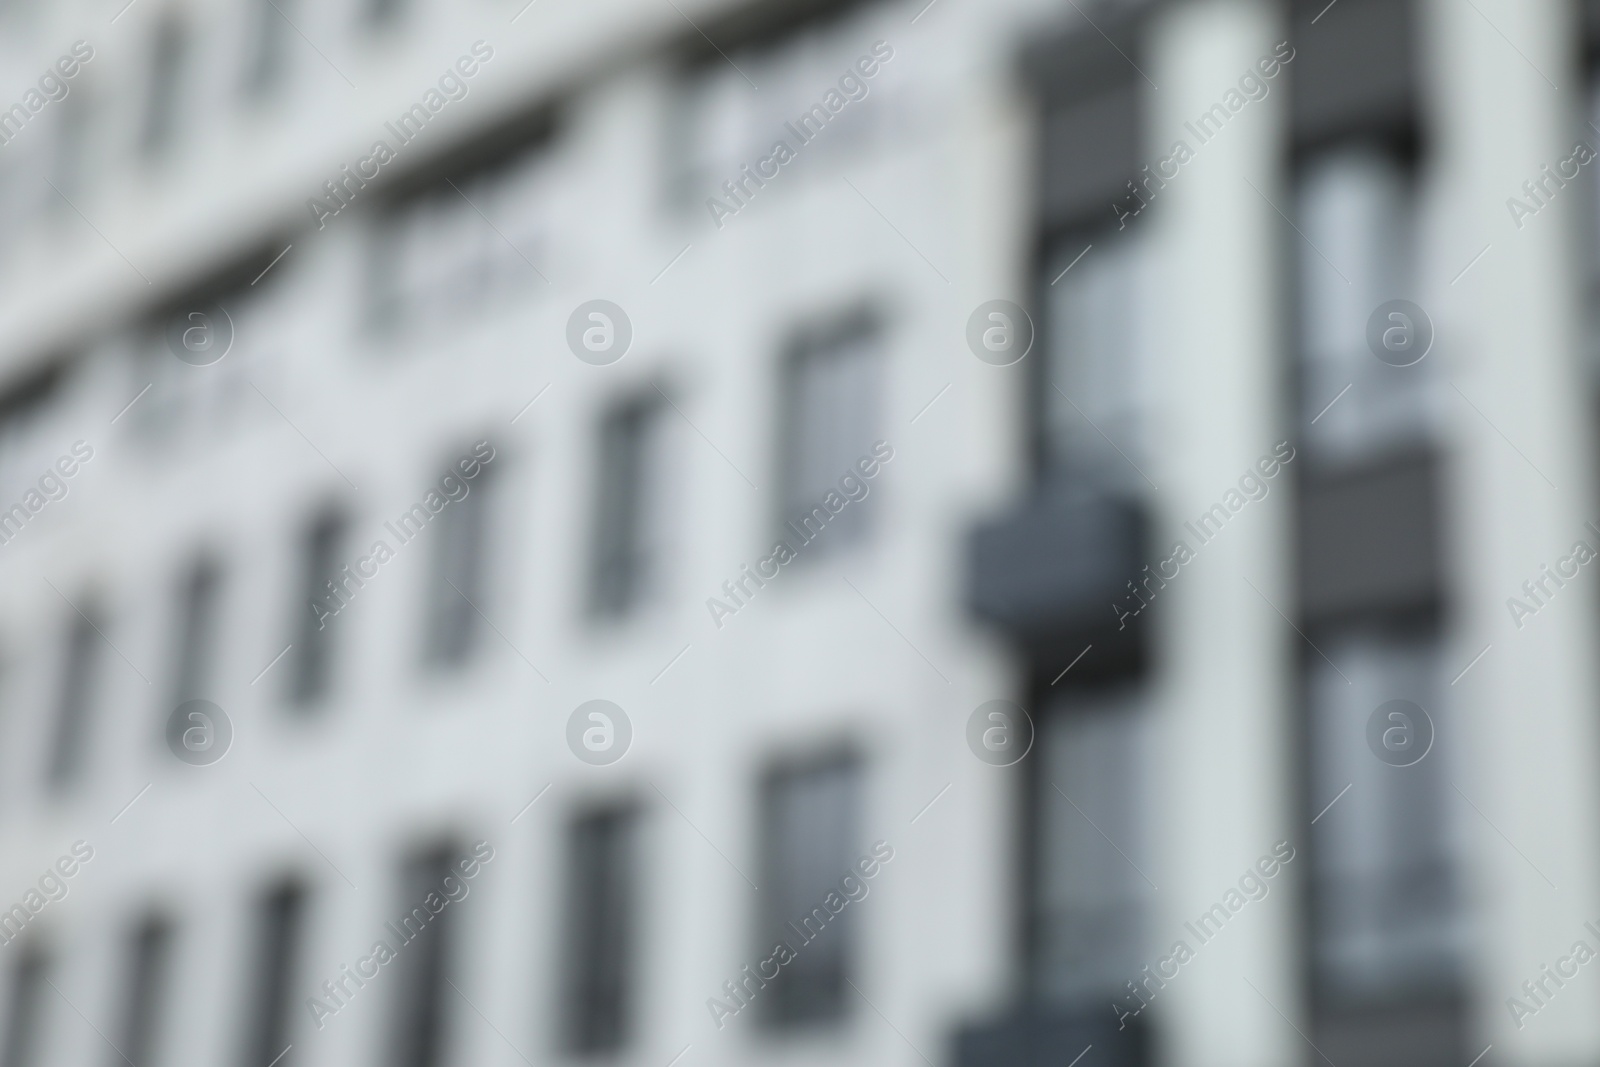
column 1511, row 336
column 1224, row 655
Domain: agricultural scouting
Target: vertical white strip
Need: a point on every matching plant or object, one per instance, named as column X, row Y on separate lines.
column 1224, row 654
column 1510, row 338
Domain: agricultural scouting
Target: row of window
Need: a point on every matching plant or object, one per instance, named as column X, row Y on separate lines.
column 171, row 76
column 831, row 385
column 1388, row 907
column 1356, row 206
column 809, row 842
column 715, row 122
column 1388, row 921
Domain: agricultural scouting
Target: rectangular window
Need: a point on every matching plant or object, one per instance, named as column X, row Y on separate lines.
column 167, row 56
column 169, row 407
column 631, row 513
column 1091, row 898
column 279, row 922
column 450, row 242
column 417, row 1031
column 456, row 582
column 810, row 841
column 198, row 619
column 146, row 992
column 79, row 674
column 600, row 913
column 1099, row 385
column 721, row 131
column 321, row 599
column 25, row 1032
column 1387, row 907
column 268, row 54
column 180, row 407
column 27, row 407
column 832, row 389
column 436, row 258
column 1357, row 209
column 449, row 252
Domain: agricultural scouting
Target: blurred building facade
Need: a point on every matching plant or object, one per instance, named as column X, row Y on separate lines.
column 1300, row 425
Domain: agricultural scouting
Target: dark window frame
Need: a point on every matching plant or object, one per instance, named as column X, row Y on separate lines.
column 822, row 982
column 78, row 685
column 867, row 323
column 169, row 54
column 269, row 57
column 26, row 1035
column 601, row 927
column 313, row 672
column 280, row 927
column 458, row 568
column 200, row 596
column 148, row 986
column 420, row 1029
column 622, row 566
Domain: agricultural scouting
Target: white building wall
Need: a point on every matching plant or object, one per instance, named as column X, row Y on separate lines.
column 1226, row 683
column 1524, row 489
column 395, row 757
column 874, row 647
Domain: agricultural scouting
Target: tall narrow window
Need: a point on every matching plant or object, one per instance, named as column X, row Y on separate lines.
column 600, row 929
column 279, row 921
column 322, row 598
column 268, row 53
column 418, row 1035
column 25, row 1014
column 456, row 582
column 145, row 992
column 832, row 386
column 1091, row 896
column 1357, row 209
column 163, row 95
column 1097, row 391
column 811, row 839
column 26, row 406
column 80, row 671
column 631, row 513
column 198, row 598
column 1388, row 915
